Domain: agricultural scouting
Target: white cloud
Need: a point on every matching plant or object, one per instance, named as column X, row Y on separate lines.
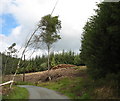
column 3, row 43
column 72, row 13
column 16, row 31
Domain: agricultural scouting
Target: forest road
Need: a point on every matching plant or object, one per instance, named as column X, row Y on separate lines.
column 43, row 93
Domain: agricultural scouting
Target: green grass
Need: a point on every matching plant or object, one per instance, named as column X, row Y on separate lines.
column 17, row 93
column 74, row 88
column 86, row 88
column 23, row 83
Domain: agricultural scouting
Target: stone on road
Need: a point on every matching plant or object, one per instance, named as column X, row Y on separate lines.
column 42, row 93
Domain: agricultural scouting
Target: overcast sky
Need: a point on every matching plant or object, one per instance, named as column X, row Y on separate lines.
column 19, row 18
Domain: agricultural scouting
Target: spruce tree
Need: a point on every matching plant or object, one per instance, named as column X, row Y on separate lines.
column 100, row 48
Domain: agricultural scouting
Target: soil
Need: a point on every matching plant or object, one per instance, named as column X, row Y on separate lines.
column 56, row 73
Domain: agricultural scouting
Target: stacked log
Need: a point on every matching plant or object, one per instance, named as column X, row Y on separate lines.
column 63, row 66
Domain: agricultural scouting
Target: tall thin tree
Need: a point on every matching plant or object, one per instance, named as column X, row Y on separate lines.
column 49, row 28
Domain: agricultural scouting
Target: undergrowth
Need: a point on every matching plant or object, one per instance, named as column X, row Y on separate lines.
column 17, row 93
column 85, row 88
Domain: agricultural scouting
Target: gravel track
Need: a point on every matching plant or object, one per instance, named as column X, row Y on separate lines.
column 43, row 93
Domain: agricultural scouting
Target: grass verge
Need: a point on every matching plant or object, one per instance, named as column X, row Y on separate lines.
column 74, row 88
column 85, row 88
column 16, row 93
column 23, row 83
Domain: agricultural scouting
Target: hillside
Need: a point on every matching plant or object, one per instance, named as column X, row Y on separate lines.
column 57, row 72
column 73, row 82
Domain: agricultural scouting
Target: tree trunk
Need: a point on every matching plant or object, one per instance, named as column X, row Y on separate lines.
column 4, row 73
column 48, row 57
column 49, row 78
column 24, row 70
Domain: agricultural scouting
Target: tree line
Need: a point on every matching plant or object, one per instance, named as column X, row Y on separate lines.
column 39, row 63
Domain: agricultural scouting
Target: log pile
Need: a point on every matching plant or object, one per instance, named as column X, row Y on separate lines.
column 63, row 66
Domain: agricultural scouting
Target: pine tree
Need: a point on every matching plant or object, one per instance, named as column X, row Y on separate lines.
column 101, row 41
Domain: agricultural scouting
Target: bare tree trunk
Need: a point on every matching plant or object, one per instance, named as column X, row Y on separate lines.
column 49, row 78
column 24, row 70
column 5, row 66
column 4, row 69
column 48, row 57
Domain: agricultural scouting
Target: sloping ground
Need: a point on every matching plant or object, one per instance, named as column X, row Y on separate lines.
column 53, row 73
column 73, row 82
